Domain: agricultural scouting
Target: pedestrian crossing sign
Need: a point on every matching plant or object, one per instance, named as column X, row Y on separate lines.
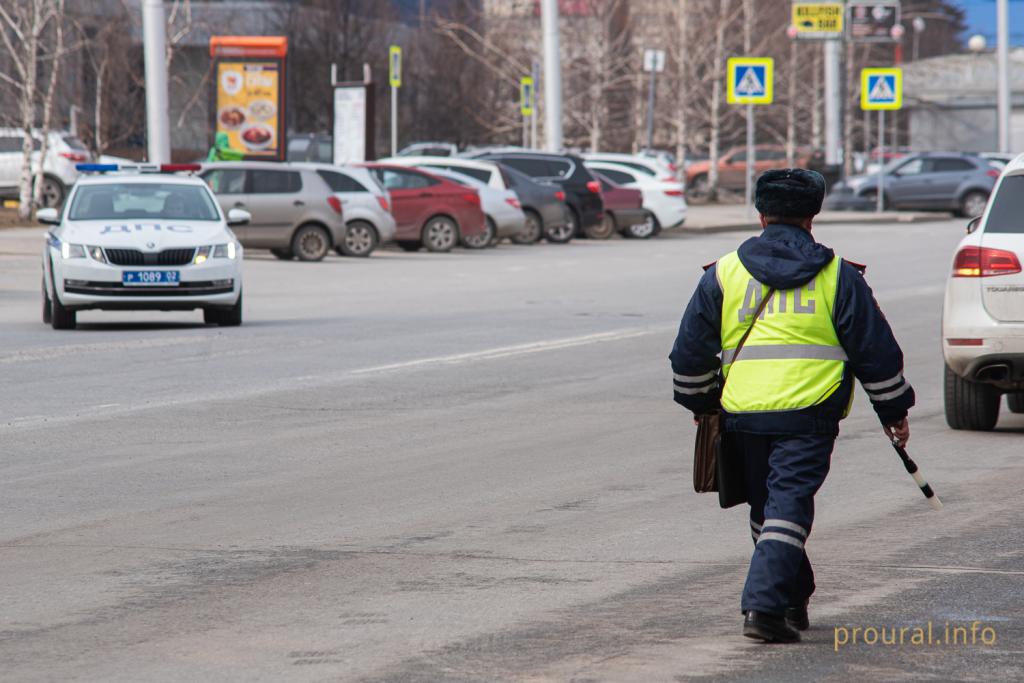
column 881, row 89
column 750, row 80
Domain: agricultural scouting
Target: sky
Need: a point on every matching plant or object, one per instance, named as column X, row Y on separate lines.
column 981, row 18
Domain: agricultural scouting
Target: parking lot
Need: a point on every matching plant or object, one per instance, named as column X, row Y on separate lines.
column 460, row 467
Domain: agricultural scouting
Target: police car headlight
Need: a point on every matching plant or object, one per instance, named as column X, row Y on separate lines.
column 97, row 254
column 72, row 250
column 202, row 255
column 224, row 251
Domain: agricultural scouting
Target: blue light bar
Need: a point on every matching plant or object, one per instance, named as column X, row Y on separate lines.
column 96, row 168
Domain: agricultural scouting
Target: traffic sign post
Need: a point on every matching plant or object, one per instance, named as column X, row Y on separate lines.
column 395, row 79
column 750, row 82
column 654, row 63
column 881, row 90
column 527, row 99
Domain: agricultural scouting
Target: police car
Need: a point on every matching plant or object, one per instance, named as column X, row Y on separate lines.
column 141, row 237
column 983, row 313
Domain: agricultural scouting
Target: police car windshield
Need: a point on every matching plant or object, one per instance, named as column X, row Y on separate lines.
column 116, row 201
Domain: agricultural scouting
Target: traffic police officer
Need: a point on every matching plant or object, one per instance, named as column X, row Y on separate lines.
column 791, row 383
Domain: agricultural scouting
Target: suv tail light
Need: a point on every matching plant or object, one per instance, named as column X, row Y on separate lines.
column 560, row 196
column 335, row 204
column 383, row 201
column 594, row 186
column 514, row 203
column 472, row 198
column 75, row 156
column 984, row 262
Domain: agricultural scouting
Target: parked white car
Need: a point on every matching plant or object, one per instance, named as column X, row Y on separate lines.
column 652, row 166
column 487, row 172
column 365, row 204
column 131, row 240
column 664, row 199
column 505, row 217
column 63, row 152
column 983, row 312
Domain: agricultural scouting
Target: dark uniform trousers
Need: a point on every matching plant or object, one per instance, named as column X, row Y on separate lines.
column 783, row 472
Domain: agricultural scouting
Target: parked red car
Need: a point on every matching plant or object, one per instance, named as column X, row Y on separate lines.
column 623, row 210
column 429, row 211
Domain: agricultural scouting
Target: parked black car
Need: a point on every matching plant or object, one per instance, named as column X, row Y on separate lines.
column 547, row 214
column 582, row 190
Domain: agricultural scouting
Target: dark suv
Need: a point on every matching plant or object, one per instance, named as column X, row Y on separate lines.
column 582, row 190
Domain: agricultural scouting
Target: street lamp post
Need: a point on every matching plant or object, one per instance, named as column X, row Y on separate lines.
column 154, row 45
column 552, row 77
column 1003, row 66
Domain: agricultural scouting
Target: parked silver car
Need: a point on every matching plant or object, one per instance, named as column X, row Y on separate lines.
column 294, row 212
column 59, row 173
column 365, row 204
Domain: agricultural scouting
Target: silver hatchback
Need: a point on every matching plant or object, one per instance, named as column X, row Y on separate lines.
column 294, row 213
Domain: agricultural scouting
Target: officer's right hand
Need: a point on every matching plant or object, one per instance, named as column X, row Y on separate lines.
column 898, row 432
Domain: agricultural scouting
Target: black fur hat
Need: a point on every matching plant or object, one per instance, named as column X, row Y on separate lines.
column 789, row 192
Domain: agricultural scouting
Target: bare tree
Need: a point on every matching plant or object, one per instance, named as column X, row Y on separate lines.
column 51, row 89
column 24, row 24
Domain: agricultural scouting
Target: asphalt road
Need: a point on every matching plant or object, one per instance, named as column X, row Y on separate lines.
column 463, row 467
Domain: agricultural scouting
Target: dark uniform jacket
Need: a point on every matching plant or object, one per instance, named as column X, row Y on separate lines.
column 785, row 257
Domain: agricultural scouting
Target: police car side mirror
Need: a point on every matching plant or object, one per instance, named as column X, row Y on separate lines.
column 973, row 225
column 48, row 216
column 239, row 217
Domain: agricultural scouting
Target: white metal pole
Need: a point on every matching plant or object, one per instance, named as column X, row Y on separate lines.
column 832, row 101
column 552, row 77
column 154, row 44
column 533, row 118
column 394, row 121
column 751, row 160
column 880, row 200
column 526, row 131
column 650, row 108
column 1003, row 66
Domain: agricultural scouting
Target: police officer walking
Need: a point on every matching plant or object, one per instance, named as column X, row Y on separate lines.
column 790, row 385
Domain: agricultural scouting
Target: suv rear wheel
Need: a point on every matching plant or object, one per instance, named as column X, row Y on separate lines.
column 973, row 204
column 1015, row 402
column 311, row 243
column 970, row 405
column 601, row 230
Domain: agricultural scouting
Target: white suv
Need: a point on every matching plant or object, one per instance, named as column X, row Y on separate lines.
column 59, row 174
column 983, row 313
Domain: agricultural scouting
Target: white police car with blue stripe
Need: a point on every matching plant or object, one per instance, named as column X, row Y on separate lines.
column 141, row 237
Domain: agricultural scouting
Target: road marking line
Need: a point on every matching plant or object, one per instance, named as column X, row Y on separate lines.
column 515, row 350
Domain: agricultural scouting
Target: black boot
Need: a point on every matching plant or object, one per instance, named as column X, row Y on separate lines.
column 769, row 628
column 797, row 617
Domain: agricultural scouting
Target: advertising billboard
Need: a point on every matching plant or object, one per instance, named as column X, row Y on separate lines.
column 350, row 118
column 249, row 97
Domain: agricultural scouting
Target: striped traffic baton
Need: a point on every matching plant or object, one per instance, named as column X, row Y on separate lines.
column 912, row 468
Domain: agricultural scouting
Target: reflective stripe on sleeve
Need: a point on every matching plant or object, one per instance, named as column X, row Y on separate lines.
column 785, row 352
column 689, row 391
column 890, row 395
column 774, row 536
column 783, row 524
column 884, row 384
column 694, row 379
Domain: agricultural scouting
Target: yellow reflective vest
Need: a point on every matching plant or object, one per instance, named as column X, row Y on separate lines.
column 792, row 358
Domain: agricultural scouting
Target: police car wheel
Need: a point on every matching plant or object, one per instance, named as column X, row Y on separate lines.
column 283, row 254
column 1015, row 402
column 533, row 229
column 60, row 317
column 47, row 307
column 311, row 243
column 360, row 240
column 225, row 317
column 484, row 239
column 970, row 405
